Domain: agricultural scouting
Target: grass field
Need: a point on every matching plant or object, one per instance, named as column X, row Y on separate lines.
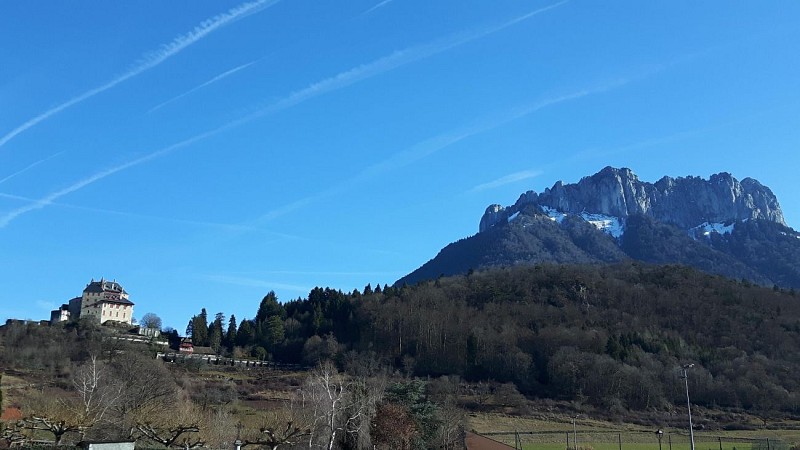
column 637, row 446
column 555, row 432
column 547, row 442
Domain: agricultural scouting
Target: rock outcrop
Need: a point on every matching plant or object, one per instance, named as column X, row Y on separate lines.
column 683, row 202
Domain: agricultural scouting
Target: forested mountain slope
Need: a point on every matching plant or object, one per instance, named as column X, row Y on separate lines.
column 613, row 335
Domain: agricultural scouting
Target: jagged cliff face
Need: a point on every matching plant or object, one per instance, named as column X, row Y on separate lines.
column 719, row 225
column 684, row 202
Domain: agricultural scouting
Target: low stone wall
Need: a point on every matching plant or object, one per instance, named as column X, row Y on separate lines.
column 222, row 361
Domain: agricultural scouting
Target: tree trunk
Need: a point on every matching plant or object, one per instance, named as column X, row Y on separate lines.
column 332, row 440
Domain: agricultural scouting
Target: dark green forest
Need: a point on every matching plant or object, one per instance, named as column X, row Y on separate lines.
column 612, row 336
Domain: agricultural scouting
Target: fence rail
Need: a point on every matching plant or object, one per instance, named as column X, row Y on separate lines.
column 629, row 440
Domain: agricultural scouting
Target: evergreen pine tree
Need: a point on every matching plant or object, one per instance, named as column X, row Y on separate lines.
column 200, row 329
column 245, row 336
column 230, row 335
column 269, row 307
column 275, row 332
column 215, row 339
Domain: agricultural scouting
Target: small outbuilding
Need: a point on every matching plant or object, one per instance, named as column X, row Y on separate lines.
column 107, row 445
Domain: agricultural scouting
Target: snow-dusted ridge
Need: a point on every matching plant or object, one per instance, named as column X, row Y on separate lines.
column 607, row 224
column 554, row 214
column 706, row 228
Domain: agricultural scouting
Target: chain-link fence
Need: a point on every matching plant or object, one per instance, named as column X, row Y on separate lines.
column 629, row 440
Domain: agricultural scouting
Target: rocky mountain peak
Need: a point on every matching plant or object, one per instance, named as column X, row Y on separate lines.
column 684, row 201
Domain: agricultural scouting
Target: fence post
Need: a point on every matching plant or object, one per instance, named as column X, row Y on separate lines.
column 768, row 447
column 669, row 437
column 619, row 436
column 720, row 442
column 567, row 440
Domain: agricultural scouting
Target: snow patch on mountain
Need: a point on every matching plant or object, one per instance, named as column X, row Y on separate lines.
column 513, row 216
column 706, row 228
column 553, row 214
column 607, row 224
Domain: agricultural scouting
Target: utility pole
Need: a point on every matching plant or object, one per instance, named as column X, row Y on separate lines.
column 575, row 432
column 685, row 377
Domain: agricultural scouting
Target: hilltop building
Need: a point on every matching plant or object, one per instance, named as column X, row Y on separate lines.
column 102, row 301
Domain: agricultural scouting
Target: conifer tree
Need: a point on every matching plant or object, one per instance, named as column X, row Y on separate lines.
column 230, row 335
column 269, row 307
column 245, row 335
column 200, row 329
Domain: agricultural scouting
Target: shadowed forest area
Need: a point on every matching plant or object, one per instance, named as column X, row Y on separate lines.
column 611, row 336
column 401, row 367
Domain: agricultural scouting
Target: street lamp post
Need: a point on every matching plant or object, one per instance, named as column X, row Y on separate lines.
column 575, row 432
column 685, row 377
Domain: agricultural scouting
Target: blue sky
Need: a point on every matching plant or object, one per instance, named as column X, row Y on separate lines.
column 203, row 153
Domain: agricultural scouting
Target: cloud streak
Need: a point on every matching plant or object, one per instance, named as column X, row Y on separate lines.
column 196, row 223
column 151, row 60
column 201, row 86
column 428, row 147
column 29, row 167
column 393, row 61
column 508, row 179
column 339, row 81
column 379, row 5
column 52, row 197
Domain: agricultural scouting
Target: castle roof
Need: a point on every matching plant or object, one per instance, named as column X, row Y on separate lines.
column 105, row 286
column 116, row 291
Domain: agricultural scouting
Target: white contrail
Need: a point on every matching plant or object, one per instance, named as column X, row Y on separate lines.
column 432, row 145
column 336, row 82
column 223, row 226
column 152, row 59
column 507, row 179
column 201, row 86
column 392, row 61
column 379, row 5
column 29, row 167
column 52, row 197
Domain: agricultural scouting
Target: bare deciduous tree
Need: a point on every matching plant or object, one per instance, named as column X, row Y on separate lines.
column 146, row 385
column 178, row 426
column 150, row 320
column 220, row 430
column 335, row 405
column 98, row 394
column 276, row 437
column 52, row 414
column 94, row 395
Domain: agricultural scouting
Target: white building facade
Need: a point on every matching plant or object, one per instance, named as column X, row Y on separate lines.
column 102, row 301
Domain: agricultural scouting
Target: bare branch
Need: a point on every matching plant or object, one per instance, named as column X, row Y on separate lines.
column 268, row 437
